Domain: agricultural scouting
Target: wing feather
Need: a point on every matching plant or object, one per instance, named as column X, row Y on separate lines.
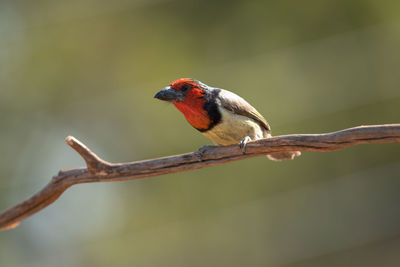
column 238, row 105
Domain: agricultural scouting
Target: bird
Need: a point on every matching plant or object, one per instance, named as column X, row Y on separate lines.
column 220, row 115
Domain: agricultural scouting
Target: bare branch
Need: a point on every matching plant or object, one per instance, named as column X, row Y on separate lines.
column 99, row 170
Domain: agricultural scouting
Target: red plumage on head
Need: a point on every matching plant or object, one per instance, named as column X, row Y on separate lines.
column 183, row 82
column 192, row 106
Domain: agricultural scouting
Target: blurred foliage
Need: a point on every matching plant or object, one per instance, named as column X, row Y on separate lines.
column 91, row 69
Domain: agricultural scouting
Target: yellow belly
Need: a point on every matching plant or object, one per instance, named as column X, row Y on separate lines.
column 233, row 128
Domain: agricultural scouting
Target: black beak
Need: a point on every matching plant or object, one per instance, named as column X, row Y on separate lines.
column 169, row 94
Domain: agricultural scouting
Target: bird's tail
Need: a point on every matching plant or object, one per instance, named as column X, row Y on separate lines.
column 279, row 156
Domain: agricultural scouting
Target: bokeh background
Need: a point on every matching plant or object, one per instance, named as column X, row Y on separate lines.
column 91, row 68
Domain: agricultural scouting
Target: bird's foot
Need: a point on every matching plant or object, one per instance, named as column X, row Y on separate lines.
column 243, row 143
column 200, row 152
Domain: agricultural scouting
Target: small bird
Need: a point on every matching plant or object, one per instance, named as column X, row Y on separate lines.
column 220, row 115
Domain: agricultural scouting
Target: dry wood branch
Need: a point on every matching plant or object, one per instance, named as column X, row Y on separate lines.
column 99, row 170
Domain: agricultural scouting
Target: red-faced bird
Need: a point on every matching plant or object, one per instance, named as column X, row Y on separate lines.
column 220, row 115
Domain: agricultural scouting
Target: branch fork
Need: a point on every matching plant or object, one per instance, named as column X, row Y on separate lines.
column 94, row 163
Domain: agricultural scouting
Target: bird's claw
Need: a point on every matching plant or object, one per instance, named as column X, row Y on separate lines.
column 243, row 143
column 199, row 153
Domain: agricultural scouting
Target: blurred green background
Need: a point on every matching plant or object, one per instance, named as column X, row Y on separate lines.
column 91, row 68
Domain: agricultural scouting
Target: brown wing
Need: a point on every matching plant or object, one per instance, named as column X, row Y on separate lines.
column 238, row 105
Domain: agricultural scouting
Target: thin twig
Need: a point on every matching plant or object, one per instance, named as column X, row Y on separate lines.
column 98, row 170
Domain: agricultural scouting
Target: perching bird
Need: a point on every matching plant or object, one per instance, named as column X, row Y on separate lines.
column 220, row 115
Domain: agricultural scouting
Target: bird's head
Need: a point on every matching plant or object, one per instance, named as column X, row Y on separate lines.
column 190, row 97
column 182, row 90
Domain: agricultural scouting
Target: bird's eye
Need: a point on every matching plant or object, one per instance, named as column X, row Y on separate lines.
column 184, row 88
